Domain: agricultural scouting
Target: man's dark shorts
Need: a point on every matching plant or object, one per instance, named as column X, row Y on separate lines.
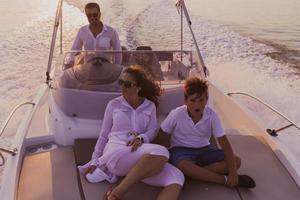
column 200, row 156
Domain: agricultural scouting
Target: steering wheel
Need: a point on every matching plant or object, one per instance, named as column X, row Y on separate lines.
column 98, row 58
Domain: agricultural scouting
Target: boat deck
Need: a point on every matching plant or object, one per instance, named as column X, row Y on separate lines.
column 57, row 177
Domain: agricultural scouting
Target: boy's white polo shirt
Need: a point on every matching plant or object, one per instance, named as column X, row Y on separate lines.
column 187, row 134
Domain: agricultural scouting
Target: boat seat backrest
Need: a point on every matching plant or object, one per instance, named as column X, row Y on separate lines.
column 83, row 103
column 91, row 104
column 171, row 99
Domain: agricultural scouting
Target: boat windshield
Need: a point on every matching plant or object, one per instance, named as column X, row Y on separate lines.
column 97, row 69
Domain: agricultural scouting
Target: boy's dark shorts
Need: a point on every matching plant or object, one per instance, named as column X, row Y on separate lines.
column 200, row 156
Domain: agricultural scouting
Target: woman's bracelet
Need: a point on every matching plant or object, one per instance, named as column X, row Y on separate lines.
column 140, row 138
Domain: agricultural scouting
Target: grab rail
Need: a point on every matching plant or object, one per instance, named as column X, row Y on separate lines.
column 181, row 4
column 12, row 113
column 272, row 132
column 12, row 152
column 55, row 27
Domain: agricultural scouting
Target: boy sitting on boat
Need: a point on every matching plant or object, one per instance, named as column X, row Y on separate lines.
column 190, row 127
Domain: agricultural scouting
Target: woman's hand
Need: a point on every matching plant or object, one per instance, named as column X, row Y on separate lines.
column 135, row 143
column 90, row 169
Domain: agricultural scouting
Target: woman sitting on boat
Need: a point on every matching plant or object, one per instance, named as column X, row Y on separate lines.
column 123, row 146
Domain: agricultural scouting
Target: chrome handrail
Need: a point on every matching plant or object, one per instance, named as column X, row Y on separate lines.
column 3, row 160
column 129, row 51
column 181, row 4
column 55, row 27
column 12, row 113
column 272, row 132
column 12, row 152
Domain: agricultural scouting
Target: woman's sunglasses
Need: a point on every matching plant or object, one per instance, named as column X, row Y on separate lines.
column 92, row 15
column 127, row 84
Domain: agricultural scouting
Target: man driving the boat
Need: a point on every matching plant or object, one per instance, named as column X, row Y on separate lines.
column 97, row 35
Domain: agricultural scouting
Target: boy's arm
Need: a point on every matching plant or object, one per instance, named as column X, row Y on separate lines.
column 162, row 138
column 230, row 161
column 166, row 129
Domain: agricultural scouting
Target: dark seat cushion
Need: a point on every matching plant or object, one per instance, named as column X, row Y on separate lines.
column 83, row 149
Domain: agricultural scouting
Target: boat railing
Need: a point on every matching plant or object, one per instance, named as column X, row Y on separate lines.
column 180, row 53
column 57, row 21
column 272, row 132
column 15, row 150
column 181, row 7
column 128, row 52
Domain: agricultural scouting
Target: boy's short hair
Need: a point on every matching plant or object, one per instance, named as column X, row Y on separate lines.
column 92, row 5
column 195, row 85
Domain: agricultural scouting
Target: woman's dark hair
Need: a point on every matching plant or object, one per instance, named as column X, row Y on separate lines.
column 92, row 5
column 195, row 85
column 149, row 88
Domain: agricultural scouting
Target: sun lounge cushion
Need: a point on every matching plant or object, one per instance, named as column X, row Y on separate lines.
column 49, row 175
column 259, row 161
column 192, row 189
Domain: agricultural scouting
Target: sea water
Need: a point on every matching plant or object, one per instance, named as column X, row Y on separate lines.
column 249, row 46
